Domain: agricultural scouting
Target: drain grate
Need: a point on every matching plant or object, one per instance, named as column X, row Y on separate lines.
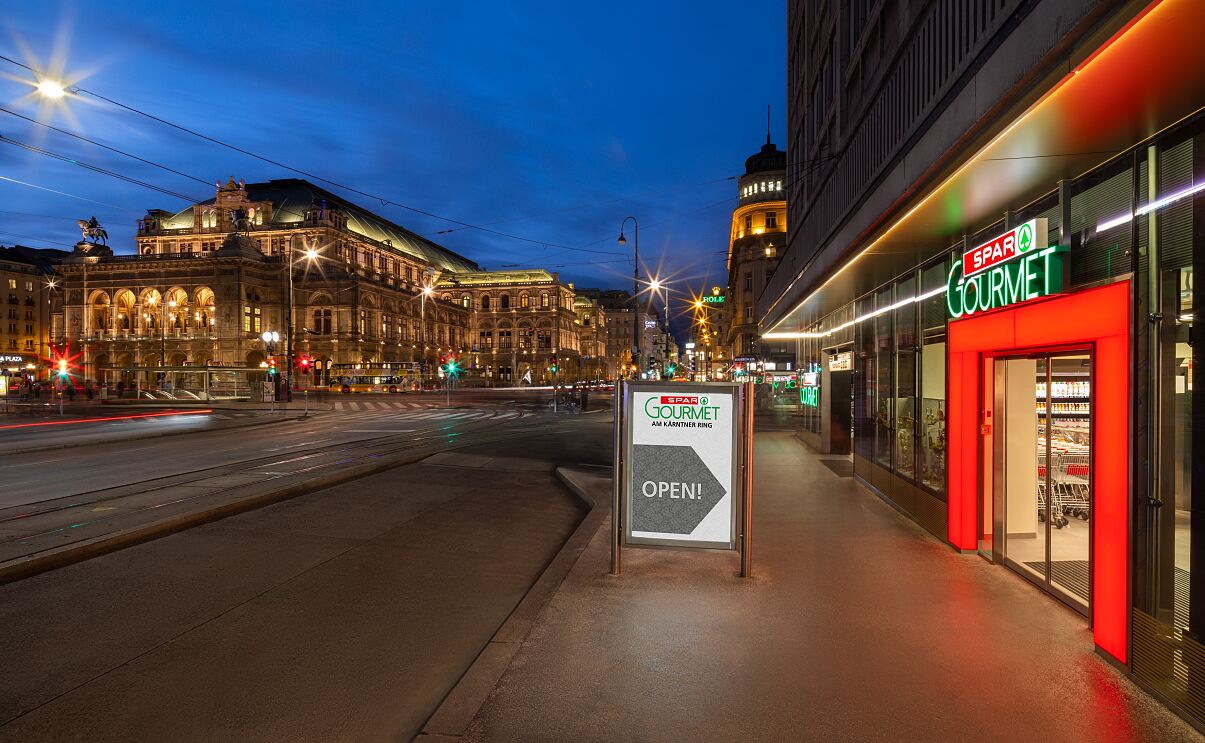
column 1069, row 574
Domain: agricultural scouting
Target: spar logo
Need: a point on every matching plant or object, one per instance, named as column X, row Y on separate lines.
column 680, row 408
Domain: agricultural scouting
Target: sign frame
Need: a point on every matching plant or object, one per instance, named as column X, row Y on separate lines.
column 742, row 394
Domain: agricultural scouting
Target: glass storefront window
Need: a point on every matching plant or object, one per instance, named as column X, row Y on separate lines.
column 884, row 416
column 865, row 403
column 905, row 381
column 931, row 448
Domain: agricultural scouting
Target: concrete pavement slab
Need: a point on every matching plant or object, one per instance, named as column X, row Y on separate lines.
column 857, row 625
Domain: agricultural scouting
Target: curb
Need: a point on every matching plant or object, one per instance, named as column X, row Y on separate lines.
column 140, row 437
column 460, row 706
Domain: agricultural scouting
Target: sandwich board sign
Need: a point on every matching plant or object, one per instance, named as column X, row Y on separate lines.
column 682, row 451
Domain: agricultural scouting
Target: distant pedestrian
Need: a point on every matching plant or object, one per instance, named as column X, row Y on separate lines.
column 121, row 388
column 88, row 391
column 167, row 385
column 37, row 391
column 69, row 387
column 585, row 398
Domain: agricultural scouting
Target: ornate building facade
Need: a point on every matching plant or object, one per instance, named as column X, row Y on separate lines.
column 756, row 241
column 518, row 323
column 208, row 281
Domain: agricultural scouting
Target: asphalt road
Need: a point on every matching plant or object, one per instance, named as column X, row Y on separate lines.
column 343, row 614
column 136, row 452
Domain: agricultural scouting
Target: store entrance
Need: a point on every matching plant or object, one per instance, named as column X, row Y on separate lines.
column 1041, row 484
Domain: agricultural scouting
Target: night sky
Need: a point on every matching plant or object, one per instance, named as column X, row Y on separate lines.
column 548, row 120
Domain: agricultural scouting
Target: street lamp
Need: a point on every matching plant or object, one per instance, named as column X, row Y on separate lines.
column 422, row 341
column 635, row 284
column 310, row 255
column 654, row 286
column 51, row 88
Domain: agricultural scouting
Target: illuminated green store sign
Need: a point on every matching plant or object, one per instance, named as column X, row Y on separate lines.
column 1010, row 268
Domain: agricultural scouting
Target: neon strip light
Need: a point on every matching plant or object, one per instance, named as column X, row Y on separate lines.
column 856, row 320
column 1157, row 204
column 105, row 420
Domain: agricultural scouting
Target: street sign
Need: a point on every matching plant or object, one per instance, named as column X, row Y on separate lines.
column 683, row 453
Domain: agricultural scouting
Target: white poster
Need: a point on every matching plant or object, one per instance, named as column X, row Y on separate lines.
column 681, row 474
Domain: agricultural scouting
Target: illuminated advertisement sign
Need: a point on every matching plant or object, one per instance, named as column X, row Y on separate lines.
column 1014, row 267
column 681, row 460
column 650, row 324
column 843, row 361
column 714, row 299
column 1015, row 243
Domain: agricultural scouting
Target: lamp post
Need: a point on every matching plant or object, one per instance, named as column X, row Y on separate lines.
column 270, row 339
column 656, row 285
column 422, row 341
column 310, row 255
column 635, row 284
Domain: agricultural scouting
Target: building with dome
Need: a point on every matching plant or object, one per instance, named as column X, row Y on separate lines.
column 758, row 235
column 206, row 282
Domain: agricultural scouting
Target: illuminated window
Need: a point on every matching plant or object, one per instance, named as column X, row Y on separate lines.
column 771, row 220
column 524, row 300
column 252, row 319
column 544, row 299
column 748, row 221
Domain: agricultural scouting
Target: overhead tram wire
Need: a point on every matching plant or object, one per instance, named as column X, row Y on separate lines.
column 96, row 169
column 69, row 195
column 105, row 146
column 383, row 200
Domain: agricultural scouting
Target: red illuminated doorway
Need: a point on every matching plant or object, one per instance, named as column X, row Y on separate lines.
column 1099, row 319
column 1036, row 503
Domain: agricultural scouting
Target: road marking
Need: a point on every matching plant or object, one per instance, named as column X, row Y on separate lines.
column 380, row 430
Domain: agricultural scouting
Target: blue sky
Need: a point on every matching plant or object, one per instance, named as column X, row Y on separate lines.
column 549, row 120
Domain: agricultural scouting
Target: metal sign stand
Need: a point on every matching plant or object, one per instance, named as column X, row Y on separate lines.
column 744, row 420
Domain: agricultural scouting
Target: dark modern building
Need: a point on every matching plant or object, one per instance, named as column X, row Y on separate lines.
column 995, row 211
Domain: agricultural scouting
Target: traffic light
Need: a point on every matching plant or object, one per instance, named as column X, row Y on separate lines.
column 450, row 366
column 673, row 368
column 304, row 363
column 63, row 368
column 272, row 367
column 552, row 364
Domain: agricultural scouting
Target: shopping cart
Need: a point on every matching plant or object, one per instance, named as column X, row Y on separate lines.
column 1071, row 480
column 1056, row 510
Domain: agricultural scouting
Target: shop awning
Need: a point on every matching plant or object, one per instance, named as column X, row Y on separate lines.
column 1144, row 78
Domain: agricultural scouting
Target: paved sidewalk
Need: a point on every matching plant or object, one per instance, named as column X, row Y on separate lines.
column 857, row 626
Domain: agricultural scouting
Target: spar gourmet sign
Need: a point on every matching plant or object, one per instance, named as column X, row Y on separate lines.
column 681, row 449
column 1016, row 266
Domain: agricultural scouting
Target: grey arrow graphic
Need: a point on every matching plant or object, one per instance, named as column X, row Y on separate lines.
column 683, row 490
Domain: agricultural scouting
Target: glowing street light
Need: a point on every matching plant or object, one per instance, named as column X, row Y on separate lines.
column 52, row 89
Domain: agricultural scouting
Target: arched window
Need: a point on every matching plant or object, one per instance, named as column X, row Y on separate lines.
column 524, row 300
column 466, row 301
column 504, row 301
column 485, row 301
column 544, row 300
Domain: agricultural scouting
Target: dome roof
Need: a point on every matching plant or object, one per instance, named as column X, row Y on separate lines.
column 770, row 158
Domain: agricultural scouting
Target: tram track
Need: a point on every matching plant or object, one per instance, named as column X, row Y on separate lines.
column 95, row 516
